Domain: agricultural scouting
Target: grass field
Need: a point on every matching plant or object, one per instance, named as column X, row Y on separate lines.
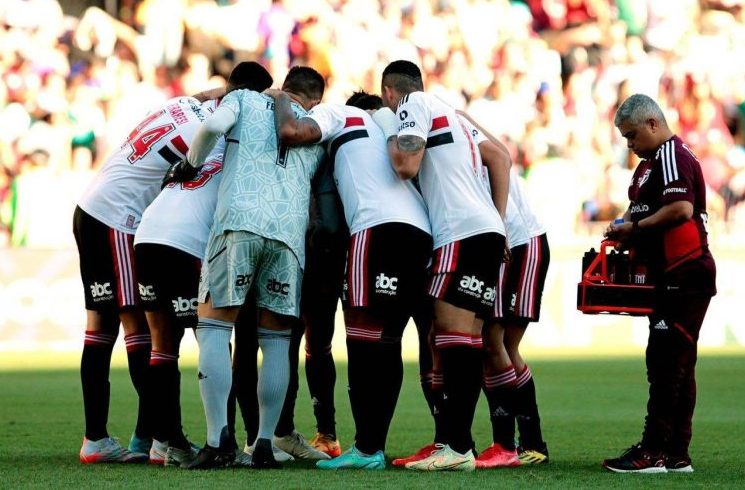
column 591, row 409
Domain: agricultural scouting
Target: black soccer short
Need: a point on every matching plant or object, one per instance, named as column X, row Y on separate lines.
column 168, row 281
column 386, row 268
column 107, row 264
column 521, row 281
column 464, row 272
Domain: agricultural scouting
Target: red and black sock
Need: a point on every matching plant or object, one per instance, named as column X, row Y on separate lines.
column 94, row 376
column 138, row 358
column 526, row 411
column 432, row 386
column 499, row 389
column 375, row 376
column 164, row 384
column 462, row 368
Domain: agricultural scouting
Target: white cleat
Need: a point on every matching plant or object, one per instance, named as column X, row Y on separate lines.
column 445, row 459
column 158, row 452
column 296, row 445
column 108, row 450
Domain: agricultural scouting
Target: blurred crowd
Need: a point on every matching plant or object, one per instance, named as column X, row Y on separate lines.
column 543, row 75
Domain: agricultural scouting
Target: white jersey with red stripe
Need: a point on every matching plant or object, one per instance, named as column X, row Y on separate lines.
column 182, row 214
column 521, row 223
column 130, row 179
column 451, row 175
column 370, row 190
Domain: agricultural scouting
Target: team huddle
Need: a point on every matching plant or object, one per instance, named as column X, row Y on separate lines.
column 254, row 210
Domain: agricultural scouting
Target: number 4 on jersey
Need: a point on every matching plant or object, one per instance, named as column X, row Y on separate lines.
column 142, row 140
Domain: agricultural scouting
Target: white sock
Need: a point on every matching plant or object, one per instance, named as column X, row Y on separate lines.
column 273, row 378
column 215, row 374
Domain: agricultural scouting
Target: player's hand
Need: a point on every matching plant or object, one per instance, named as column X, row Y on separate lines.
column 179, row 172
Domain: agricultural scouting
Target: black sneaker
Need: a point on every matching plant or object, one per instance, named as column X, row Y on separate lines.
column 263, row 456
column 678, row 464
column 211, row 457
column 636, row 460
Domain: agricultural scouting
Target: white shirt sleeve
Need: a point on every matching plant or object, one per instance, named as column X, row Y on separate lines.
column 478, row 136
column 330, row 120
column 414, row 116
column 217, row 124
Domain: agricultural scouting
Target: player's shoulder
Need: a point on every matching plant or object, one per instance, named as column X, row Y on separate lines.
column 416, row 98
column 675, row 152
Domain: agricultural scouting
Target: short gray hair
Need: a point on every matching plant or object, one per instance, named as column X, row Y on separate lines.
column 637, row 109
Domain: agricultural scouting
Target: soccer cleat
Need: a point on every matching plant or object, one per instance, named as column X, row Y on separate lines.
column 210, row 457
column 495, row 456
column 326, row 443
column 158, row 452
column 424, row 452
column 353, row 459
column 445, row 459
column 180, row 458
column 532, row 456
column 296, row 445
column 678, row 464
column 242, row 459
column 636, row 460
column 108, row 450
column 263, row 457
column 140, row 446
column 279, row 455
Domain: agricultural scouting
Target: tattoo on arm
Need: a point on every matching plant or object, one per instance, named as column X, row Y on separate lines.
column 410, row 143
column 282, row 110
column 308, row 130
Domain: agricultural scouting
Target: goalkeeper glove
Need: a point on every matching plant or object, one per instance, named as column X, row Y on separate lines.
column 182, row 171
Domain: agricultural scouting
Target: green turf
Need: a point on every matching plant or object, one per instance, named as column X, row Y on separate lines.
column 591, row 409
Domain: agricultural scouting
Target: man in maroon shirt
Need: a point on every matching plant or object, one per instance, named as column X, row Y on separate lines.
column 665, row 227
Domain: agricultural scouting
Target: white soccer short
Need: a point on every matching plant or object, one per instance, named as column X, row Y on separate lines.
column 236, row 261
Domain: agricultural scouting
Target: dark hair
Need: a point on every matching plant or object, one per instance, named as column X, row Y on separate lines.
column 249, row 75
column 404, row 76
column 365, row 101
column 304, row 80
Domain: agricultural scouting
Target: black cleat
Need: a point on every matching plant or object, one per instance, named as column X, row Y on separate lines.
column 263, row 457
column 210, row 457
column 678, row 464
column 636, row 460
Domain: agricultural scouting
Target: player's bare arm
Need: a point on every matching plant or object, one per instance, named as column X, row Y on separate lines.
column 406, row 154
column 292, row 131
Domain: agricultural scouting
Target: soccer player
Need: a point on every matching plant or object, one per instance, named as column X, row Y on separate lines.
column 256, row 242
column 169, row 247
column 665, row 227
column 384, row 277
column 508, row 382
column 321, row 288
column 104, row 224
column 429, row 142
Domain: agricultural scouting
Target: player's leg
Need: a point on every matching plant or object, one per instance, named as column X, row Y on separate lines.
column 525, row 284
column 227, row 276
column 245, row 372
column 168, row 283
column 288, row 442
column 102, row 327
column 463, row 284
column 278, row 279
column 322, row 287
column 499, row 389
